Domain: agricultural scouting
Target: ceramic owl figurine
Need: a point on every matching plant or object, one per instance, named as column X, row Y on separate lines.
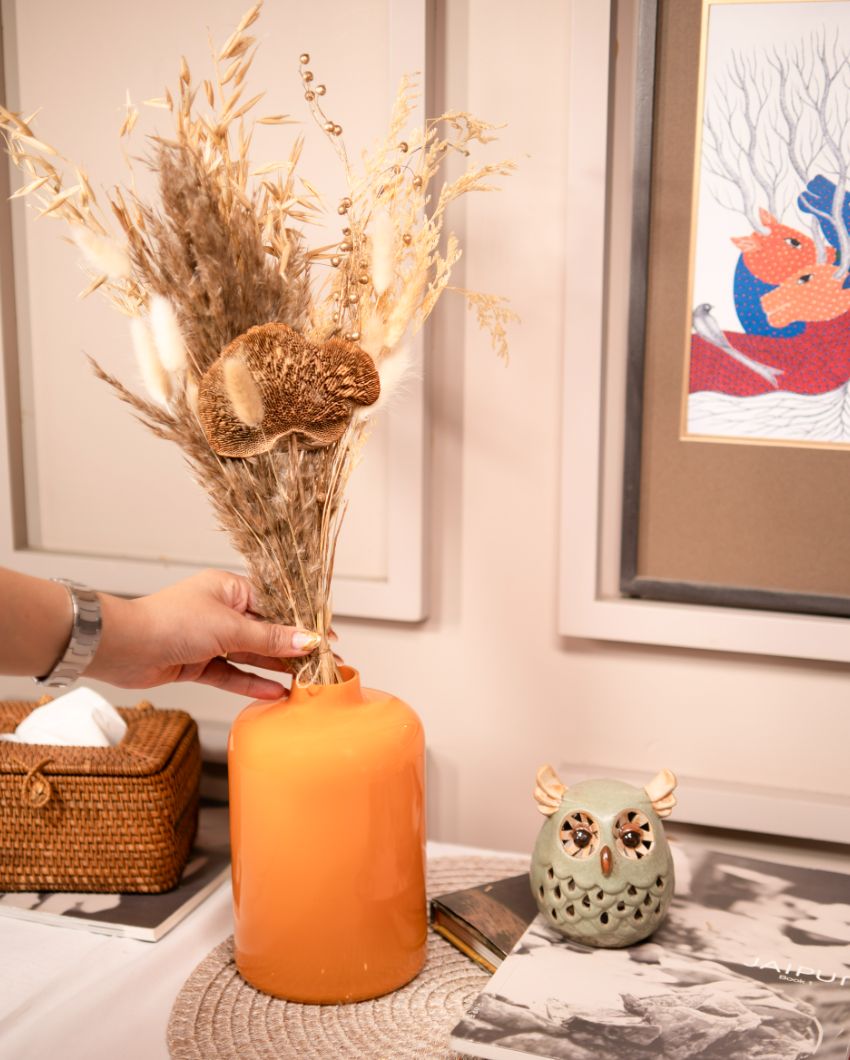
column 601, row 871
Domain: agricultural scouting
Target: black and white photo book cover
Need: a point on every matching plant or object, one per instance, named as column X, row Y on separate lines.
column 753, row 961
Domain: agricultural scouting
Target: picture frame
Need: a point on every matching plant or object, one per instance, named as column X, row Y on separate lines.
column 602, row 177
column 725, row 519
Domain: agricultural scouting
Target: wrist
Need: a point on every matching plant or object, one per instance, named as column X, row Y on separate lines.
column 118, row 639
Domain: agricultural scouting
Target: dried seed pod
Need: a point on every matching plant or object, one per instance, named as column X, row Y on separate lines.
column 304, row 389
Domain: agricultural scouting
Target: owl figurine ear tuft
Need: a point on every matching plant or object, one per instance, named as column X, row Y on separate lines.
column 660, row 791
column 549, row 791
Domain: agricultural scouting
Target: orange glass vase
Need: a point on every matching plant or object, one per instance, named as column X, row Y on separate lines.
column 327, row 829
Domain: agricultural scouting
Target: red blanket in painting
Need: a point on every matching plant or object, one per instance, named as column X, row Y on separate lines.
column 814, row 362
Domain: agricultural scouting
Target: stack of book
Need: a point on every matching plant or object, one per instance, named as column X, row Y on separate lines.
column 753, row 961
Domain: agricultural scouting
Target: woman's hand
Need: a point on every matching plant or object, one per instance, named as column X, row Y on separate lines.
column 195, row 630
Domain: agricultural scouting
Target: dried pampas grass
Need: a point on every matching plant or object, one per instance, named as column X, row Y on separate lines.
column 166, row 334
column 154, row 376
column 101, row 253
column 382, row 236
column 222, row 249
column 394, row 370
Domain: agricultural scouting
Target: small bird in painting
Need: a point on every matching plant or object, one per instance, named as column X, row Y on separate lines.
column 707, row 328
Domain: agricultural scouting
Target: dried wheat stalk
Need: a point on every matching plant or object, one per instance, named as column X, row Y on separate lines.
column 223, row 249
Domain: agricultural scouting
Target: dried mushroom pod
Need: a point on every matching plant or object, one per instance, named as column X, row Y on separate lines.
column 271, row 382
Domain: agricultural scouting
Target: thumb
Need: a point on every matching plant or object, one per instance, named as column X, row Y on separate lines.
column 269, row 639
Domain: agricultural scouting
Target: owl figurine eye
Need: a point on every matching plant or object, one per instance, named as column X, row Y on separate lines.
column 633, row 834
column 579, row 834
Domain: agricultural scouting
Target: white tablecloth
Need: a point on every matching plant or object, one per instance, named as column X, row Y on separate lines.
column 67, row 994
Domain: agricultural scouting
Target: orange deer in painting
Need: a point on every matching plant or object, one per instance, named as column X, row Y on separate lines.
column 815, row 292
column 773, row 255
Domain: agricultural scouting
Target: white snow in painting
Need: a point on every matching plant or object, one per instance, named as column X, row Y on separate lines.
column 779, row 415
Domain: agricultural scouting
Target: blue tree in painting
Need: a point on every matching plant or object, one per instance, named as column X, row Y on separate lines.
column 819, row 200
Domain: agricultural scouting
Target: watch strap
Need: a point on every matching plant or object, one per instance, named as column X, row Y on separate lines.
column 84, row 639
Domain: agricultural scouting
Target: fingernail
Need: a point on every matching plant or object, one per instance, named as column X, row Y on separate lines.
column 304, row 641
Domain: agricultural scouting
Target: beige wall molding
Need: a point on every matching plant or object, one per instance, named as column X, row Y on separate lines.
column 740, row 807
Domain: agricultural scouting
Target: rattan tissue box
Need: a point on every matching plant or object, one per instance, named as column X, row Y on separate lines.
column 120, row 819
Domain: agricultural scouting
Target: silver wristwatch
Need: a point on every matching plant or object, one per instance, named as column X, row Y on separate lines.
column 85, row 637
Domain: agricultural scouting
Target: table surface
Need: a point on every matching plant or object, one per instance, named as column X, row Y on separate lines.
column 75, row 995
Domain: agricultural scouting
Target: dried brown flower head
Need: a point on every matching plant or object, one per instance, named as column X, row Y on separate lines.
column 303, row 389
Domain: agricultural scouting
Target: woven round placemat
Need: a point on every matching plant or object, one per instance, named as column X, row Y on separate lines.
column 217, row 1015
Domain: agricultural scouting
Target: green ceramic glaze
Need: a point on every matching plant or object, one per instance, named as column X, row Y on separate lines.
column 568, row 876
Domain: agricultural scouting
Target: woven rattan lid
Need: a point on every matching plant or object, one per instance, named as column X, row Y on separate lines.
column 151, row 739
column 217, row 1014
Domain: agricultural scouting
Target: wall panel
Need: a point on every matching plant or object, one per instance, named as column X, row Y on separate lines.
column 98, row 497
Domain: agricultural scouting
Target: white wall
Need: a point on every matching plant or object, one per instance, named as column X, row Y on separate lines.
column 498, row 690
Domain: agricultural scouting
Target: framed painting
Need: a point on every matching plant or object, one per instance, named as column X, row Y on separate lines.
column 737, row 460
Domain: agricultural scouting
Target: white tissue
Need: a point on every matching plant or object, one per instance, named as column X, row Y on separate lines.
column 81, row 718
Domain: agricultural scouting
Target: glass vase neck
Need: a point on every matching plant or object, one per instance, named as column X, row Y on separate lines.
column 347, row 691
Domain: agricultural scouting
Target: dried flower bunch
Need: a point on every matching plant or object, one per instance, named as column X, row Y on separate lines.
column 266, row 378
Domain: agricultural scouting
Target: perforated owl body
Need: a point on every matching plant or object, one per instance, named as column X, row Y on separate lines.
column 601, row 871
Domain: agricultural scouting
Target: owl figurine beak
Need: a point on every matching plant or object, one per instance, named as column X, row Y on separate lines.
column 606, row 861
